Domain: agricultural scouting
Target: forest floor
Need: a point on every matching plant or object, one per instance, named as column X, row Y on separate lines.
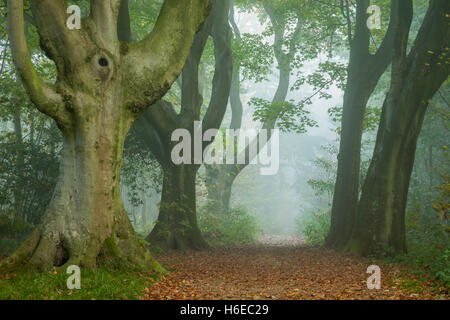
column 281, row 267
column 277, row 267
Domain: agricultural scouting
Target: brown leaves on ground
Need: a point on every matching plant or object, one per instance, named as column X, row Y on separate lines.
column 272, row 271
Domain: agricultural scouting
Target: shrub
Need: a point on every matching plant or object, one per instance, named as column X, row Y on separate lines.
column 12, row 234
column 238, row 226
column 313, row 226
column 428, row 247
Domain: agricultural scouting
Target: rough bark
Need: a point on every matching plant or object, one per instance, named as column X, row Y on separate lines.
column 380, row 223
column 96, row 98
column 364, row 72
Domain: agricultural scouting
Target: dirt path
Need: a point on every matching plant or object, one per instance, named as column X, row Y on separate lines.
column 276, row 268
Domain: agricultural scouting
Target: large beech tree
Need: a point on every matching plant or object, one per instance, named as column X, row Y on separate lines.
column 416, row 77
column 176, row 227
column 102, row 87
column 364, row 72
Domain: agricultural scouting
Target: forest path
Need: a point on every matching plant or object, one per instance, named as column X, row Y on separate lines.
column 275, row 268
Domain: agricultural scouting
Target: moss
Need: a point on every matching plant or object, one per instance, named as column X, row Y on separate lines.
column 111, row 247
column 124, row 49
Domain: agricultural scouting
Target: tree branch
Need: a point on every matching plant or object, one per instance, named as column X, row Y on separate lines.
column 400, row 20
column 124, row 23
column 157, row 61
column 42, row 95
column 222, row 34
column 191, row 100
column 104, row 14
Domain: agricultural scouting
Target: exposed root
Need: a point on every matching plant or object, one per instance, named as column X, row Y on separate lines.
column 48, row 251
column 176, row 239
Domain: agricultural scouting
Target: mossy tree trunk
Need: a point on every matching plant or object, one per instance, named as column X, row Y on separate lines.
column 102, row 87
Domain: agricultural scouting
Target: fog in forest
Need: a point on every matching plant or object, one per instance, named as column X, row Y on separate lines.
column 249, row 145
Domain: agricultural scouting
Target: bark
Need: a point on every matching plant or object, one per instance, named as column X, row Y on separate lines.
column 364, row 72
column 430, row 158
column 97, row 97
column 380, row 223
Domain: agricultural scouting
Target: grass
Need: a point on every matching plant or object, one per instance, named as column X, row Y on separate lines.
column 100, row 284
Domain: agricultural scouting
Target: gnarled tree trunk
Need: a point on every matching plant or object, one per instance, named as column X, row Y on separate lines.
column 86, row 223
column 102, row 87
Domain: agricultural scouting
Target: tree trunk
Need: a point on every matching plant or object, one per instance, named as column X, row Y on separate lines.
column 380, row 223
column 416, row 77
column 364, row 72
column 219, row 182
column 176, row 227
column 346, row 189
column 85, row 223
column 103, row 85
column 430, row 157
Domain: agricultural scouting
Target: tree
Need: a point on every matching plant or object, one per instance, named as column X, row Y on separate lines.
column 363, row 74
column 176, row 226
column 291, row 23
column 103, row 86
column 416, row 77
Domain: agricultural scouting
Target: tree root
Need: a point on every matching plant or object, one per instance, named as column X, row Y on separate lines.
column 47, row 251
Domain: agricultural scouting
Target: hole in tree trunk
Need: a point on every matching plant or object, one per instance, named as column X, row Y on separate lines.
column 62, row 255
column 103, row 62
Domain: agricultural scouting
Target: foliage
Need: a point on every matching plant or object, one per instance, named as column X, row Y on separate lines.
column 313, row 226
column 427, row 221
column 12, row 233
column 326, row 166
column 140, row 170
column 238, row 226
column 253, row 55
column 290, row 116
column 38, row 170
